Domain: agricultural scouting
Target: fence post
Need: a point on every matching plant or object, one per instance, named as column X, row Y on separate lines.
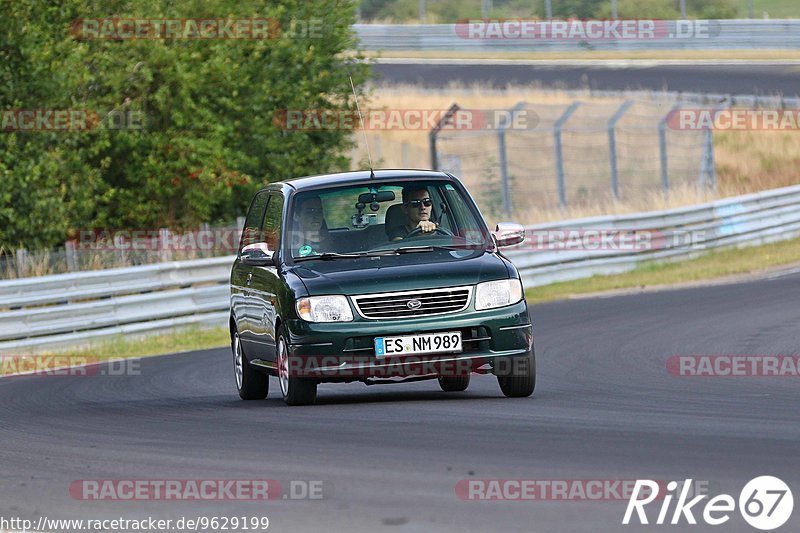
column 205, row 240
column 662, row 148
column 708, row 167
column 562, row 187
column 435, row 132
column 612, row 146
column 21, row 258
column 71, row 255
column 708, row 178
column 164, row 243
column 505, row 181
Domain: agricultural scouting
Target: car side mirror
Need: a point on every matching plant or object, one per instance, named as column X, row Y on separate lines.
column 257, row 254
column 509, row 234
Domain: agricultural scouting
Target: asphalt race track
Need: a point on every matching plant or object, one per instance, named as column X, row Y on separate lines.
column 749, row 78
column 390, row 456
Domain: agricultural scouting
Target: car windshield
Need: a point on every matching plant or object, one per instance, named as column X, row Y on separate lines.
column 358, row 220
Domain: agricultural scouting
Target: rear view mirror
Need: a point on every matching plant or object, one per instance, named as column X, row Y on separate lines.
column 509, row 234
column 380, row 196
column 257, row 254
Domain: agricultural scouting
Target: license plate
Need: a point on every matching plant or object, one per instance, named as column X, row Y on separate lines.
column 448, row 342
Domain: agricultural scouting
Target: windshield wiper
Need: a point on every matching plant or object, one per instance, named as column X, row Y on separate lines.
column 327, row 256
column 400, row 250
column 426, row 248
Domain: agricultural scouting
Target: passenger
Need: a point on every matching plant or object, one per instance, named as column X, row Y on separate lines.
column 312, row 235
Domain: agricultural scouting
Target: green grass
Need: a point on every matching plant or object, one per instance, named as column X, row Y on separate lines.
column 717, row 264
column 775, row 8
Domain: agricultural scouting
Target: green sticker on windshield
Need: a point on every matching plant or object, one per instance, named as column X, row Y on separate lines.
column 305, row 250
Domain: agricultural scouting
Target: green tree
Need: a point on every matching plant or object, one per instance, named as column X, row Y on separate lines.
column 208, row 139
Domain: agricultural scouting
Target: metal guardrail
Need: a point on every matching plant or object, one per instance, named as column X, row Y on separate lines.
column 69, row 309
column 72, row 309
column 668, row 35
column 674, row 234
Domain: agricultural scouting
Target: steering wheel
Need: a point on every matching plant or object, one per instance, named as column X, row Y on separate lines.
column 442, row 231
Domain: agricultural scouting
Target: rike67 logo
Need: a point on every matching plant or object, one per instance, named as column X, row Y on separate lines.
column 765, row 503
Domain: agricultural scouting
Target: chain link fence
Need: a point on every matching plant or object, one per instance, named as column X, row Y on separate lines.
column 577, row 154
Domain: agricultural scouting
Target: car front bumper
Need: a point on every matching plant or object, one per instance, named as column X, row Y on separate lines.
column 345, row 351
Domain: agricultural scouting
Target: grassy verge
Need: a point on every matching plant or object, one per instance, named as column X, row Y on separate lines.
column 714, row 265
column 699, row 55
column 122, row 348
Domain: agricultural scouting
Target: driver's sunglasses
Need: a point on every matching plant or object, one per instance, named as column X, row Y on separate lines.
column 311, row 210
column 427, row 202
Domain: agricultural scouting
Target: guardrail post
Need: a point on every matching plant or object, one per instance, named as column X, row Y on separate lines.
column 505, row 181
column 21, row 258
column 662, row 149
column 561, row 182
column 612, row 146
column 445, row 120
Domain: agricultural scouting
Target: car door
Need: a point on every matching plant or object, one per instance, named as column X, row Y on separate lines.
column 265, row 284
column 242, row 306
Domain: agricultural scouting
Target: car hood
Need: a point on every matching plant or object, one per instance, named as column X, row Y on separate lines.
column 413, row 271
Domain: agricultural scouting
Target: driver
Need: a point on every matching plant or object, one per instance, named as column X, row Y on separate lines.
column 417, row 205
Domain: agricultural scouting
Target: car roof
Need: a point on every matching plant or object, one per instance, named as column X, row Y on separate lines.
column 359, row 176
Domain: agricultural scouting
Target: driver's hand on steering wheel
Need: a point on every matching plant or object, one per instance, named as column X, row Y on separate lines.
column 426, row 226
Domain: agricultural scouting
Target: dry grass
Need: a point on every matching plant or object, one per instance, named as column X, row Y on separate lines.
column 749, row 161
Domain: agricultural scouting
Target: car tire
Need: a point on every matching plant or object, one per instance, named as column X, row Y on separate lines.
column 454, row 383
column 521, row 379
column 252, row 385
column 295, row 390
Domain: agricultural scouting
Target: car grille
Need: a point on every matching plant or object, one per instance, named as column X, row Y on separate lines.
column 396, row 304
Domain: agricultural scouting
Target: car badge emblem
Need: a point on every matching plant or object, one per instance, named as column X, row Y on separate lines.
column 414, row 304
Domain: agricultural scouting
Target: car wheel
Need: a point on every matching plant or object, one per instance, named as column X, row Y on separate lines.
column 454, row 383
column 295, row 391
column 251, row 384
column 521, row 376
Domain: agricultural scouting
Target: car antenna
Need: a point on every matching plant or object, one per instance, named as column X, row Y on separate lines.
column 360, row 118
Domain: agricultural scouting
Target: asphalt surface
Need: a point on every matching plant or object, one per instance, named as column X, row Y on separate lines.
column 765, row 79
column 391, row 456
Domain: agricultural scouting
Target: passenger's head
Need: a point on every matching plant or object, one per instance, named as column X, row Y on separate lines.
column 309, row 214
column 417, row 204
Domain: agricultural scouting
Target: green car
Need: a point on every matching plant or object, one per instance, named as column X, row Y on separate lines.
column 380, row 277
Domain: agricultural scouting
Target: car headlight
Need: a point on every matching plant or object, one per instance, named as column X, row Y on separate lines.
column 497, row 293
column 324, row 309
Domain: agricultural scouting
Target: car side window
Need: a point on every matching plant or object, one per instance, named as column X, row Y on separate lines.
column 252, row 224
column 272, row 222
